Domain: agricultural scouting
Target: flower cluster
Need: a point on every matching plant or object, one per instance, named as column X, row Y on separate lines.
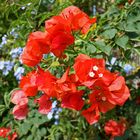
column 128, row 68
column 16, row 52
column 115, row 128
column 4, row 41
column 58, row 35
column 6, row 66
column 14, row 33
column 106, row 89
column 18, row 73
column 6, row 133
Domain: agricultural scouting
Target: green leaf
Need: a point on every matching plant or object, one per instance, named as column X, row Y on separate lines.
column 3, row 138
column 33, row 130
column 91, row 48
column 137, row 50
column 30, row 137
column 7, row 99
column 138, row 27
column 37, row 136
column 110, row 33
column 55, row 64
column 138, row 118
column 103, row 47
column 2, row 109
column 43, row 131
column 122, row 41
column 130, row 27
column 24, row 128
column 136, row 127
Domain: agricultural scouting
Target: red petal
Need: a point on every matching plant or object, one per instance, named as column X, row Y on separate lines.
column 121, row 96
column 20, row 111
column 30, row 59
column 108, row 77
column 64, row 78
column 117, row 84
column 73, row 101
column 114, row 128
column 81, row 58
column 54, row 21
column 83, row 65
column 45, row 105
column 39, row 38
column 91, row 114
column 46, row 82
column 60, row 43
column 119, row 91
column 28, row 83
column 97, row 97
column 31, row 90
column 70, row 11
column 105, row 106
column 18, row 96
column 4, row 132
column 14, row 136
column 87, row 26
column 35, row 48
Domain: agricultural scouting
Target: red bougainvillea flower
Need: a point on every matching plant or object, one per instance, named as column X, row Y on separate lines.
column 108, row 77
column 107, row 93
column 19, row 98
column 67, row 83
column 46, row 82
column 70, row 11
column 91, row 114
column 35, row 48
column 82, row 22
column 77, row 19
column 54, row 87
column 107, row 96
column 88, row 69
column 28, row 84
column 28, row 58
column 99, row 97
column 5, row 133
column 45, row 104
column 40, row 39
column 58, row 38
column 87, row 25
column 114, row 128
column 20, row 111
column 14, row 136
column 73, row 100
column 119, row 91
column 55, row 20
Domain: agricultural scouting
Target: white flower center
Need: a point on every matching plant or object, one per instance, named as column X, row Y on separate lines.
column 104, row 98
column 91, row 74
column 100, row 75
column 95, row 68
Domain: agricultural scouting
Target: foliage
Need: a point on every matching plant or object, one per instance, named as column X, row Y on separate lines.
column 116, row 37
